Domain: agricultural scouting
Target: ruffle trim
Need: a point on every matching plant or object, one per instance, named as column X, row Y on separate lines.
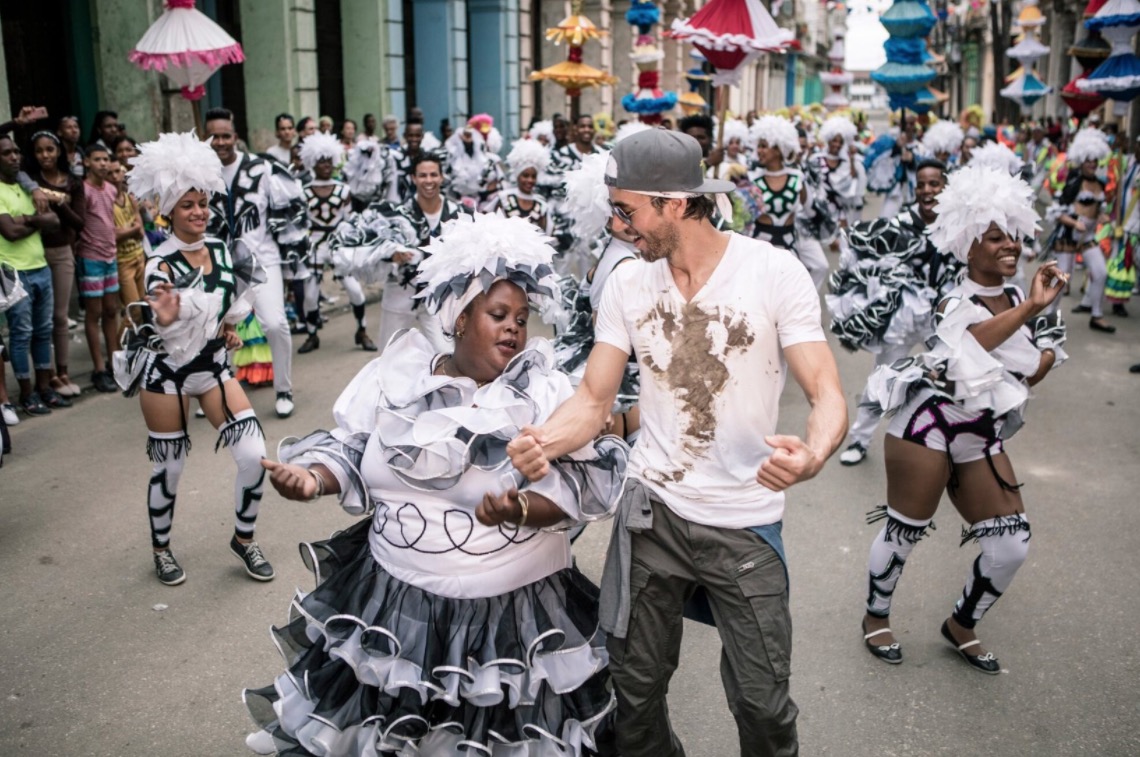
column 775, row 42
column 395, row 668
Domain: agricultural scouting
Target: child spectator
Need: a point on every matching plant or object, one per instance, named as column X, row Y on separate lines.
column 130, row 253
column 98, row 271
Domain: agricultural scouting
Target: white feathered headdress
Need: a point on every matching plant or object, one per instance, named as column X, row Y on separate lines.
column 543, row 130
column 587, row 201
column 736, row 129
column 1088, row 144
column 943, row 136
column 628, row 129
column 474, row 252
column 318, row 147
column 973, row 199
column 527, row 153
column 838, row 126
column 776, row 132
column 173, row 165
column 997, row 156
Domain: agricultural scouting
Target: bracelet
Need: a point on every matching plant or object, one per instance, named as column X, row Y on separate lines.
column 320, row 484
column 525, row 509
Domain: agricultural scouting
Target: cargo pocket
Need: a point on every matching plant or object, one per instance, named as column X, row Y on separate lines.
column 765, row 587
column 638, row 578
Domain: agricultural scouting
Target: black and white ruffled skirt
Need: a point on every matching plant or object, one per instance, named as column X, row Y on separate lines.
column 377, row 666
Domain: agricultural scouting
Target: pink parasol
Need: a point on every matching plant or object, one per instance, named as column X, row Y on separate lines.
column 730, row 33
column 187, row 46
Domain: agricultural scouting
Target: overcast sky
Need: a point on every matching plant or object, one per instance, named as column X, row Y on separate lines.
column 865, row 35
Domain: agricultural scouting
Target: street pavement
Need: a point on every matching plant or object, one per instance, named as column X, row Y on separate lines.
column 98, row 658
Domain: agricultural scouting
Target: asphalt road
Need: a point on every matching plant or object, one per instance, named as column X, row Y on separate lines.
column 98, row 658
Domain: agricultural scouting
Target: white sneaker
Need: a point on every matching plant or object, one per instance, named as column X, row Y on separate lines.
column 284, row 404
column 8, row 410
column 199, row 413
column 853, row 455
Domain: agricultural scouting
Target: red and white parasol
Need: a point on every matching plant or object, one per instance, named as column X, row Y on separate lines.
column 187, row 46
column 730, row 33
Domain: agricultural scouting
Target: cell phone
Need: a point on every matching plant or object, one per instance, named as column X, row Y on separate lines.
column 39, row 112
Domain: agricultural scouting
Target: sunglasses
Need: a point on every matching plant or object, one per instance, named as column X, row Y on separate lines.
column 625, row 216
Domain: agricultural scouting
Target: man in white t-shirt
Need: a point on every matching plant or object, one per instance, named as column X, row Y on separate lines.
column 715, row 320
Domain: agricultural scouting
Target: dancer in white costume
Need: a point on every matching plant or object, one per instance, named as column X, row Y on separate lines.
column 450, row 619
column 955, row 406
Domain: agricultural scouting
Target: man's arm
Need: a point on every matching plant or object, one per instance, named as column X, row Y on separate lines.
column 15, row 228
column 794, row 460
column 577, row 420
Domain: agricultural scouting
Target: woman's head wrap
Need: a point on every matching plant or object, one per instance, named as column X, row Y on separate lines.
column 997, row 156
column 527, row 153
column 777, row 132
column 171, row 166
column 472, row 253
column 976, row 197
column 318, row 147
column 736, row 129
column 543, row 130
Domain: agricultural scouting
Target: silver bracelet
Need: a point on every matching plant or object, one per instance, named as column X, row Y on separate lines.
column 320, row 484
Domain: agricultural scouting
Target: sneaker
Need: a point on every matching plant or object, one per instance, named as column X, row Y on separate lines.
column 53, row 399
column 72, row 324
column 8, row 410
column 853, row 455
column 168, row 569
column 103, row 382
column 255, row 563
column 284, row 405
column 199, row 413
column 33, row 405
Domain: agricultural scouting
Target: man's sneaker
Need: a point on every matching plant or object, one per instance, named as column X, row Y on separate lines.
column 255, row 563
column 284, row 404
column 104, row 382
column 853, row 455
column 8, row 411
column 167, row 568
column 33, row 405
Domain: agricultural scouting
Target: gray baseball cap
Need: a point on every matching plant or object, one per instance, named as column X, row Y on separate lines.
column 660, row 161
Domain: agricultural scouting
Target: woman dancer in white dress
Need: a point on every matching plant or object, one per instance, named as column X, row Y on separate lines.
column 451, row 619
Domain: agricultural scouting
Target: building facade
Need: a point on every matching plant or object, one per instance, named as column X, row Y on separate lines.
column 346, row 58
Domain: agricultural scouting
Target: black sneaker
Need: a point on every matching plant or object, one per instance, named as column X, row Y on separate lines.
column 33, row 405
column 168, row 569
column 255, row 563
column 103, row 381
column 312, row 343
column 52, row 398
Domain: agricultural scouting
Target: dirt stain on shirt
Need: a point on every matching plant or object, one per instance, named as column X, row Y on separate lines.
column 700, row 343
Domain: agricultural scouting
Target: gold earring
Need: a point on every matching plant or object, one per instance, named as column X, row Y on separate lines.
column 459, row 334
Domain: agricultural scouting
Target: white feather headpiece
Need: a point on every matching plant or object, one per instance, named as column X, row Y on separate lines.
column 628, row 129
column 777, row 132
column 943, row 136
column 1088, row 144
column 997, row 156
column 973, row 199
column 318, row 147
column 173, row 165
column 527, row 153
column 474, row 252
column 587, row 201
column 838, row 126
column 431, row 142
column 736, row 129
column 543, row 130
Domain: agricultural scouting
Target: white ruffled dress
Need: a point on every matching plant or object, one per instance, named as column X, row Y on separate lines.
column 429, row 633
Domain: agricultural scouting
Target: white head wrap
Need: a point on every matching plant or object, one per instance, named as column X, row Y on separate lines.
column 587, row 200
column 777, row 132
column 736, row 129
column 973, row 199
column 838, row 126
column 527, row 153
column 543, row 130
column 172, row 166
column 318, row 147
column 943, row 136
column 1088, row 144
column 474, row 252
column 997, row 156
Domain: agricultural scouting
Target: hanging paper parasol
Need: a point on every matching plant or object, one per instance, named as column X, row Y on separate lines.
column 1026, row 88
column 729, row 33
column 648, row 101
column 186, row 46
column 837, row 79
column 691, row 102
column 1080, row 102
column 1118, row 77
column 904, row 74
column 572, row 74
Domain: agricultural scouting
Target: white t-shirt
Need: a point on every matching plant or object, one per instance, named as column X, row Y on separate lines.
column 433, row 218
column 712, row 371
column 230, row 171
column 281, row 153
